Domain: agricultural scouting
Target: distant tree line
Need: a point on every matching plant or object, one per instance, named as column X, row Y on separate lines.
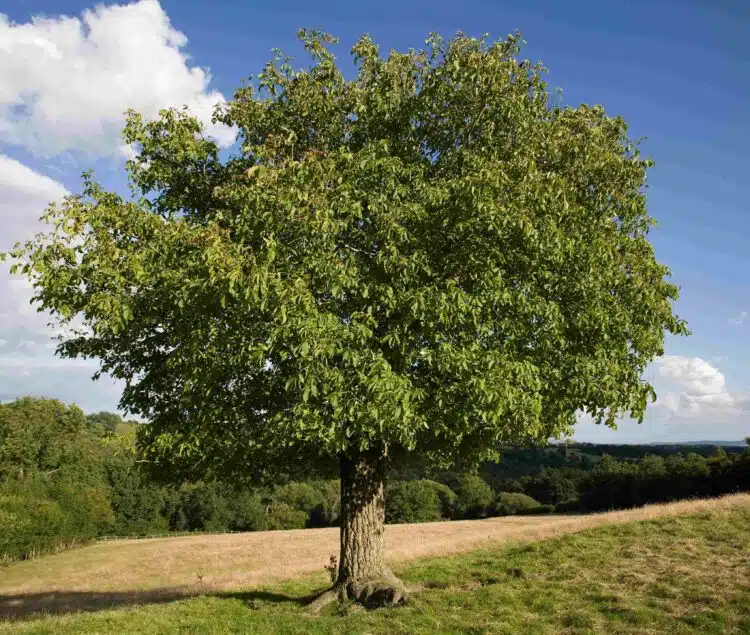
column 67, row 478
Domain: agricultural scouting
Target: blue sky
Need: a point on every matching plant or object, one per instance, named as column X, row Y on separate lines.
column 676, row 70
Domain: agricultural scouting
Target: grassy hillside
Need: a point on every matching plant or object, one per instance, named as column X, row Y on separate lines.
column 671, row 574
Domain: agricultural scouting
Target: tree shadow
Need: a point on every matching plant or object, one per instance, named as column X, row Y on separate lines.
column 29, row 605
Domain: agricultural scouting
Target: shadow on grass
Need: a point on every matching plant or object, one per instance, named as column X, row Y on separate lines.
column 25, row 606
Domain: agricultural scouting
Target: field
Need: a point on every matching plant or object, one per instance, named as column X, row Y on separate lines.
column 677, row 568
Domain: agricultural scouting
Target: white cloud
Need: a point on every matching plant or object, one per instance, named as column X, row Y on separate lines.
column 739, row 319
column 27, row 363
column 66, row 81
column 24, row 195
column 66, row 379
column 697, row 389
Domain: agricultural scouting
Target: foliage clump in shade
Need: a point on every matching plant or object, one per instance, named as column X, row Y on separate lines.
column 411, row 502
column 509, row 503
column 426, row 259
column 473, row 496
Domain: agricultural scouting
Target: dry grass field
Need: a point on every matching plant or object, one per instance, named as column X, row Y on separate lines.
column 188, row 565
column 681, row 568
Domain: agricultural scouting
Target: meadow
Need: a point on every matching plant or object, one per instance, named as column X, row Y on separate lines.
column 674, row 568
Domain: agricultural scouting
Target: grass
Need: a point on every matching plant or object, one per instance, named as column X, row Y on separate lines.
column 190, row 564
column 681, row 569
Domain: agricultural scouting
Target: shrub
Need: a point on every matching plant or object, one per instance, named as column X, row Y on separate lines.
column 536, row 511
column 510, row 503
column 202, row 507
column 31, row 527
column 301, row 496
column 566, row 507
column 550, row 486
column 283, row 516
column 473, row 497
column 446, row 496
column 327, row 512
column 411, row 502
column 248, row 513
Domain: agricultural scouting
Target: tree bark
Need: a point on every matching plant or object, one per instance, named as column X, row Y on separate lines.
column 362, row 574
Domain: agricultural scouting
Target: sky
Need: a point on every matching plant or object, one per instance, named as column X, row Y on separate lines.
column 677, row 70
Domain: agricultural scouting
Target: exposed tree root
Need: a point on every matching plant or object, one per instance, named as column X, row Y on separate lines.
column 384, row 590
column 324, row 599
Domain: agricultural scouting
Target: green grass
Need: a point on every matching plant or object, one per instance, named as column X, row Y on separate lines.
column 688, row 574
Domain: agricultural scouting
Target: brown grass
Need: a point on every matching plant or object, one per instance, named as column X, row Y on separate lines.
column 191, row 564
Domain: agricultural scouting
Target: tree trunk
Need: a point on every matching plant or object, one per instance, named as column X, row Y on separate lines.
column 363, row 575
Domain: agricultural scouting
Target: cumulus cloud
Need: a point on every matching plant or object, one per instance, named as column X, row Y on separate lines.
column 66, row 81
column 697, row 388
column 27, row 362
column 24, row 195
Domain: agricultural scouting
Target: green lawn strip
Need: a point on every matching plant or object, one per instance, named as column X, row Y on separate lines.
column 687, row 574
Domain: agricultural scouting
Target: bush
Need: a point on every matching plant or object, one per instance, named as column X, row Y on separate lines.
column 473, row 497
column 327, row 513
column 301, row 496
column 446, row 496
column 411, row 502
column 510, row 503
column 536, row 511
column 283, row 516
column 202, row 507
column 87, row 509
column 31, row 526
column 248, row 513
column 550, row 486
column 567, row 507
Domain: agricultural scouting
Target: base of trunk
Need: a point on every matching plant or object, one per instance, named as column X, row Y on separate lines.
column 381, row 591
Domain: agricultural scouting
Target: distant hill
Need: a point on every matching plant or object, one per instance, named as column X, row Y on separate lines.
column 661, row 444
column 726, row 444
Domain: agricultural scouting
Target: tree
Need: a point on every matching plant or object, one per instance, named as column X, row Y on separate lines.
column 550, row 486
column 473, row 497
column 428, row 259
column 106, row 422
column 46, row 436
column 509, row 503
column 301, row 496
column 412, row 502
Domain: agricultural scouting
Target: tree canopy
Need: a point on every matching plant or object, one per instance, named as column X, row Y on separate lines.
column 428, row 257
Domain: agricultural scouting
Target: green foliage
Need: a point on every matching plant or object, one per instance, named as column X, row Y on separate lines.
column 473, row 497
column 509, row 503
column 327, row 513
column 283, row 516
column 446, row 496
column 412, row 502
column 201, row 507
column 31, row 526
column 47, row 436
column 39, row 516
column 248, row 512
column 301, row 496
column 550, row 486
column 138, row 504
column 568, row 507
column 536, row 511
column 104, row 422
column 428, row 256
